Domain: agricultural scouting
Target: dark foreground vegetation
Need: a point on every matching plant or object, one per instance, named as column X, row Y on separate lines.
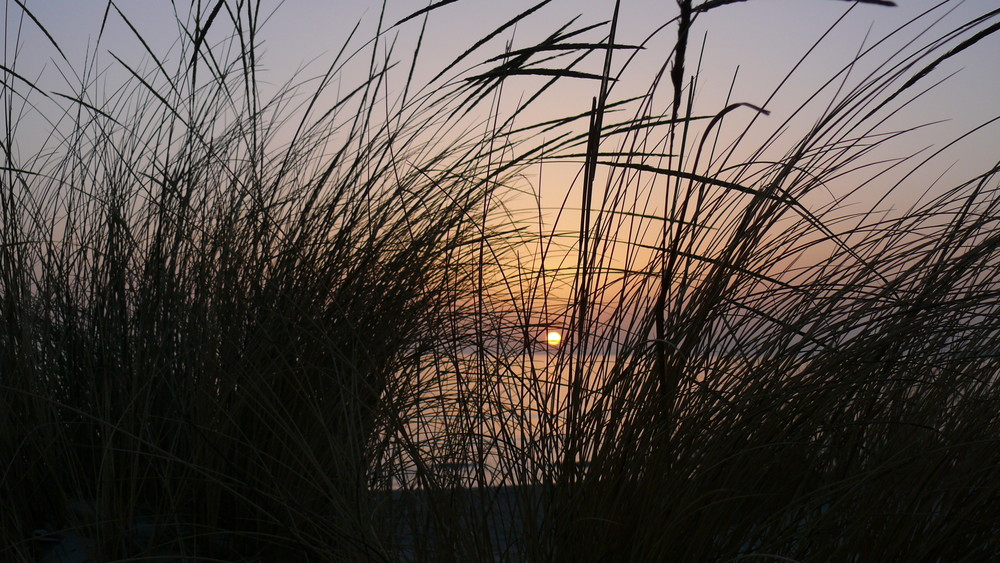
column 247, row 322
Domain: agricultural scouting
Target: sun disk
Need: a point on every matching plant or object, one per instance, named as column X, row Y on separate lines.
column 553, row 338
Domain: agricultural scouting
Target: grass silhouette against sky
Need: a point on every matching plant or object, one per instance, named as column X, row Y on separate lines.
column 256, row 306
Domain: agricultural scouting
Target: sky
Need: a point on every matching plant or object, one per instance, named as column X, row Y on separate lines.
column 763, row 39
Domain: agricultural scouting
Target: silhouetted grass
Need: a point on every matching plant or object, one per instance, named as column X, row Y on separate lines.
column 306, row 325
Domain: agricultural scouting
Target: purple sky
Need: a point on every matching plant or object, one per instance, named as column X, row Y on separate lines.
column 763, row 37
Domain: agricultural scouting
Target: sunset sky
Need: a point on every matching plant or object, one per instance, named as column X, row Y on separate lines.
column 763, row 38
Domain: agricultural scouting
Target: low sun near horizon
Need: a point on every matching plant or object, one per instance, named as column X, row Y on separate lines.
column 553, row 338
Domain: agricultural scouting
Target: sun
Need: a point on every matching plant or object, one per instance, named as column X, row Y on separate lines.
column 553, row 338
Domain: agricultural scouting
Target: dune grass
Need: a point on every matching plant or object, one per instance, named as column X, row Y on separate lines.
column 303, row 323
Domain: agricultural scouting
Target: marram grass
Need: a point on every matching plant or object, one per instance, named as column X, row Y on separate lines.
column 245, row 323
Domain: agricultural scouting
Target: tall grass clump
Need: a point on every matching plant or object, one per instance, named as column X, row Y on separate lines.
column 241, row 321
column 217, row 301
